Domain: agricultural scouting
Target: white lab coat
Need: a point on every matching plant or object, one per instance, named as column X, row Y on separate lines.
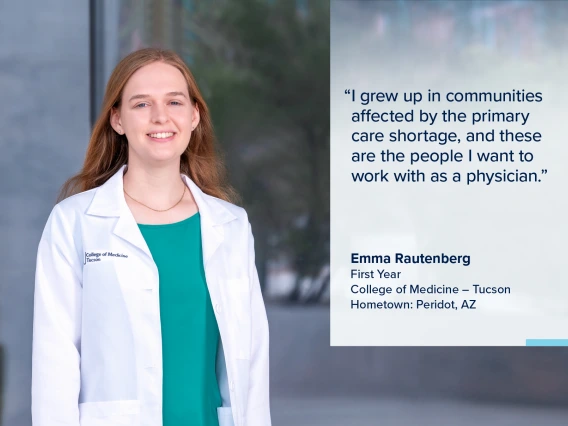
column 96, row 333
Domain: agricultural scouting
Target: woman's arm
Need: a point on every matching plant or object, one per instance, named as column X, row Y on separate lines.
column 258, row 409
column 56, row 327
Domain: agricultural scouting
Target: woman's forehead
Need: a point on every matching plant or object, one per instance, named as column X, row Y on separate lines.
column 156, row 79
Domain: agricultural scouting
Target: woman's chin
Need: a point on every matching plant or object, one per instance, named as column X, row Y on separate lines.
column 162, row 157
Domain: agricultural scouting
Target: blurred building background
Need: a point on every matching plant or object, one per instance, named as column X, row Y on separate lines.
column 263, row 66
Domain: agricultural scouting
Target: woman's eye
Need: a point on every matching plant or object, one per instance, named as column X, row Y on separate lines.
column 176, row 103
column 140, row 105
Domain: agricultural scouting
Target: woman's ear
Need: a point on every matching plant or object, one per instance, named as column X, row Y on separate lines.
column 195, row 118
column 115, row 121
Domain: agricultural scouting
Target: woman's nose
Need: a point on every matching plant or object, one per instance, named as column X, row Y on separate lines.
column 159, row 114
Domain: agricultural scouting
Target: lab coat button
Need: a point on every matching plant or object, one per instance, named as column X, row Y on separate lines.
column 232, row 385
column 217, row 308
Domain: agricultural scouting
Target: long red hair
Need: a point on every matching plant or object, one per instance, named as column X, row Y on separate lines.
column 108, row 151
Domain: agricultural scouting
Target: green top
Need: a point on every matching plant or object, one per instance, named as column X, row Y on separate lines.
column 190, row 335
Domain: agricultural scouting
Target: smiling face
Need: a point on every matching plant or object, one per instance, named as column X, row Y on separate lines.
column 156, row 115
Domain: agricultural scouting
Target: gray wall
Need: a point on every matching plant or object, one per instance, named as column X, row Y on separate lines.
column 44, row 130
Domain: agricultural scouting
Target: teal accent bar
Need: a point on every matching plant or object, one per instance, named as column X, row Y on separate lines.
column 547, row 342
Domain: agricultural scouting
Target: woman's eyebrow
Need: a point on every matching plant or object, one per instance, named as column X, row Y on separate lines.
column 147, row 96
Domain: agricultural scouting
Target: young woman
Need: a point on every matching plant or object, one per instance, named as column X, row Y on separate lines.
column 148, row 309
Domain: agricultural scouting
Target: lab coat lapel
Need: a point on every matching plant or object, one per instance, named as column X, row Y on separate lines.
column 213, row 215
column 109, row 201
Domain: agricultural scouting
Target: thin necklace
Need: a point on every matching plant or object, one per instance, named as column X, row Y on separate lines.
column 184, row 187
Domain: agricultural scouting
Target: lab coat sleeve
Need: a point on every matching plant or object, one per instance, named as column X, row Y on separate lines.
column 56, row 327
column 258, row 407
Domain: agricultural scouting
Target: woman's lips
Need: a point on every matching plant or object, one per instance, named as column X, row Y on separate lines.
column 161, row 137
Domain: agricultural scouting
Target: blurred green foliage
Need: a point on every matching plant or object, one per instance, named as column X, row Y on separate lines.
column 263, row 67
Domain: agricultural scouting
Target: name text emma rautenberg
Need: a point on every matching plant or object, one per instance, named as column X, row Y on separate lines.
column 406, row 258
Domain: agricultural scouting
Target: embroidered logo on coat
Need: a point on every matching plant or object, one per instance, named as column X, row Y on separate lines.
column 97, row 256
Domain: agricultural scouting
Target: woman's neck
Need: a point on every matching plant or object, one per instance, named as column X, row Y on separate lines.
column 156, row 186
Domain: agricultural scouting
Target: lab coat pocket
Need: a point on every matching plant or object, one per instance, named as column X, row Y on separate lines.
column 225, row 415
column 110, row 413
column 239, row 300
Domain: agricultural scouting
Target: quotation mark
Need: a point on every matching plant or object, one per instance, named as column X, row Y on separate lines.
column 347, row 91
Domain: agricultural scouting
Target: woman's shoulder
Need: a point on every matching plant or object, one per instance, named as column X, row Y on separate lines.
column 76, row 202
column 239, row 212
column 65, row 219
